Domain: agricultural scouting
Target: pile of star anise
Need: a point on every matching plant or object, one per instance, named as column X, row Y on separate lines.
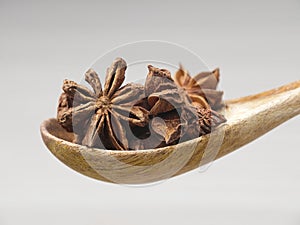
column 159, row 113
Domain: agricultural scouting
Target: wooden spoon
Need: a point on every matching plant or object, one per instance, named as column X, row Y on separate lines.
column 247, row 119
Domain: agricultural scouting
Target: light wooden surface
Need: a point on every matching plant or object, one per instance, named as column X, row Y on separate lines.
column 248, row 118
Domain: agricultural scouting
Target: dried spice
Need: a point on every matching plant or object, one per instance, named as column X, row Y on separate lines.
column 202, row 91
column 101, row 114
column 162, row 112
column 201, row 88
column 172, row 105
column 209, row 119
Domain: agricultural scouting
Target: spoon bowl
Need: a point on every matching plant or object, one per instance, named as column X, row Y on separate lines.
column 247, row 119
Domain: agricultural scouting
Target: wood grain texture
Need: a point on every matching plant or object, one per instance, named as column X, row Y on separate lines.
column 248, row 118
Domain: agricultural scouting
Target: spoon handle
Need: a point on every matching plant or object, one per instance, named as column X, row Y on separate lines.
column 247, row 119
column 252, row 116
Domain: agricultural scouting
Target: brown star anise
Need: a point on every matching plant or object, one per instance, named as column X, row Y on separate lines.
column 178, row 117
column 100, row 118
column 181, row 117
column 209, row 119
column 201, row 88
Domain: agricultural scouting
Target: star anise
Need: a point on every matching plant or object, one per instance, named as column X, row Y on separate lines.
column 201, row 88
column 209, row 119
column 178, row 117
column 100, row 118
column 181, row 116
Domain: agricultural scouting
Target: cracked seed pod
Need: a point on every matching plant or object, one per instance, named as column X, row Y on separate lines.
column 99, row 117
column 172, row 105
column 201, row 88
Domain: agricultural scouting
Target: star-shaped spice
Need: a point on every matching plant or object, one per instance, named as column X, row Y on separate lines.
column 182, row 117
column 209, row 119
column 201, row 88
column 101, row 117
column 179, row 118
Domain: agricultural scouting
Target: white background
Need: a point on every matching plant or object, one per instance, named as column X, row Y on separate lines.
column 255, row 44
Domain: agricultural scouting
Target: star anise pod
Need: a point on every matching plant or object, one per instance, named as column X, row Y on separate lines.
column 201, row 88
column 178, row 117
column 101, row 117
column 65, row 103
column 209, row 119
